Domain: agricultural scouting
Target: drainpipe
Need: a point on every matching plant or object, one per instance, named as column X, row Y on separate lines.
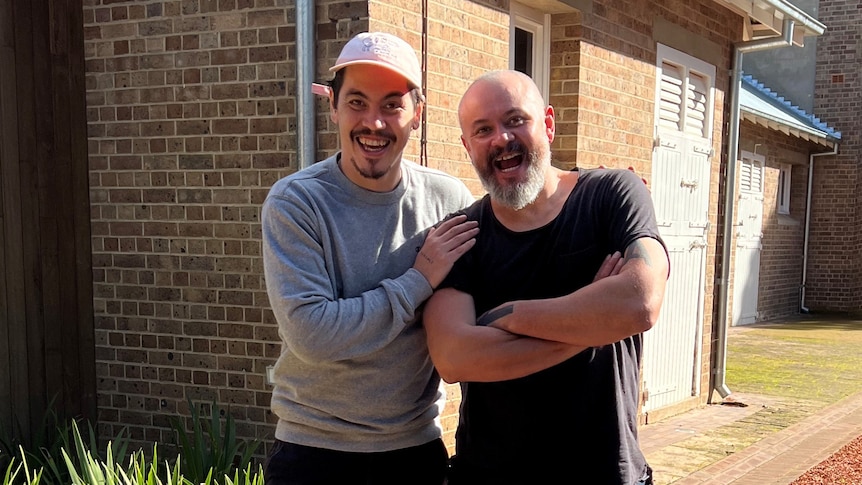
column 786, row 39
column 802, row 307
column 305, row 112
column 423, row 137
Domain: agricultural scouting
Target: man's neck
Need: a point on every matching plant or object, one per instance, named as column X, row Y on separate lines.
column 387, row 183
column 546, row 207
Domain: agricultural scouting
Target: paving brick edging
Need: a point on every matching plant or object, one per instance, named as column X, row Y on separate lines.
column 787, row 454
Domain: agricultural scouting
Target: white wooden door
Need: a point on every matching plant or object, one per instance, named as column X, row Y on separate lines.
column 749, row 235
column 680, row 188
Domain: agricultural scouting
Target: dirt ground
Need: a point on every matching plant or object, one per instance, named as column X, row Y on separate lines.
column 842, row 468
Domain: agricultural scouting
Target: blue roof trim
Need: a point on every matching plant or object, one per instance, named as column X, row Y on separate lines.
column 786, row 107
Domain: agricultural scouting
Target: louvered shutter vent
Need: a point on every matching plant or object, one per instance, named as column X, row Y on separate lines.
column 696, row 105
column 671, row 96
column 751, row 177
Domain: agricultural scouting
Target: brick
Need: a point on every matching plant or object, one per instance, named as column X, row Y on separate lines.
column 269, row 125
column 154, row 27
column 267, row 54
column 230, row 126
column 229, row 56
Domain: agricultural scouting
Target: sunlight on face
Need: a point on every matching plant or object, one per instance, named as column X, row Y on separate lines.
column 507, row 130
column 519, row 194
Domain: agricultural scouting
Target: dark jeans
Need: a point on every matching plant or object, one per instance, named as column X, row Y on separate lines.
column 461, row 473
column 292, row 464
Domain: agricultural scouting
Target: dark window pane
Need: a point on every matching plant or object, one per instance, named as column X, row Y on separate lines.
column 524, row 51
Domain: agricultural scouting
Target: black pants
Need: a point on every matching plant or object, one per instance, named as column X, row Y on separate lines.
column 461, row 473
column 292, row 464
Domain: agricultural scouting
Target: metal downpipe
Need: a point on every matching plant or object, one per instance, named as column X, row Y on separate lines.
column 802, row 307
column 306, row 146
column 786, row 39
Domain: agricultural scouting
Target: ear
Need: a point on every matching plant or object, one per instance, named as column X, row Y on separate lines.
column 550, row 124
column 467, row 147
column 417, row 117
column 333, row 111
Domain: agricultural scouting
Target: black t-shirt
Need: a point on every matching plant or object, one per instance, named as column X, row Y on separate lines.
column 578, row 418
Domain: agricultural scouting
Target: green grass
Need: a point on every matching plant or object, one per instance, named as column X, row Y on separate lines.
column 807, row 359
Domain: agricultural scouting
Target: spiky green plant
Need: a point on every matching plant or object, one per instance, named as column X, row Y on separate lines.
column 31, row 476
column 80, row 464
column 248, row 478
column 211, row 448
column 44, row 449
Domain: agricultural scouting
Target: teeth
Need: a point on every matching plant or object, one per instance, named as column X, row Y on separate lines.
column 503, row 160
column 373, row 143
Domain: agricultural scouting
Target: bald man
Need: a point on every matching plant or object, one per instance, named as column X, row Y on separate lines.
column 549, row 370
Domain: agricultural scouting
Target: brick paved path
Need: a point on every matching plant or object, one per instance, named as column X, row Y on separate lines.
column 777, row 459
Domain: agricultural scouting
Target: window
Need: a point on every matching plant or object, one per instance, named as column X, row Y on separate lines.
column 684, row 94
column 751, row 174
column 784, row 189
column 529, row 46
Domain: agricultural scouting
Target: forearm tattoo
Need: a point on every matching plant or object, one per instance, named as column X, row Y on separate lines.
column 491, row 316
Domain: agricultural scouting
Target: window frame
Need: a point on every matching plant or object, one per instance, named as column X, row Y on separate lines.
column 783, row 190
column 538, row 24
column 687, row 65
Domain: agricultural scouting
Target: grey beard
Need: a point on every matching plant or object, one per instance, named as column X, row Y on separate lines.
column 521, row 194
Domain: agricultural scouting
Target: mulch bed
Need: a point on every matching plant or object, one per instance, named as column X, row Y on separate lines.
column 843, row 467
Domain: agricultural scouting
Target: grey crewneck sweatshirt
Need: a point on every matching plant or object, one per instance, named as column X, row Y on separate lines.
column 354, row 372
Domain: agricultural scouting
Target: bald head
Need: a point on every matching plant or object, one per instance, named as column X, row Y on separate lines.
column 511, row 87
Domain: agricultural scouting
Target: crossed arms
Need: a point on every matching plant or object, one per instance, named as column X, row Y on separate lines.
column 525, row 336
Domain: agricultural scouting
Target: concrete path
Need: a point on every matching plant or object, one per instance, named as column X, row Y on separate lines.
column 777, row 459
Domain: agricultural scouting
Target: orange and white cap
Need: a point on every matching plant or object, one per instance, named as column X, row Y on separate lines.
column 384, row 50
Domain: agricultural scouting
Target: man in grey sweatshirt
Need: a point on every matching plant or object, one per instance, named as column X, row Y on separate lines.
column 352, row 248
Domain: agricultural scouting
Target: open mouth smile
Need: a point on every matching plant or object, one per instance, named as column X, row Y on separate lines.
column 372, row 144
column 509, row 158
column 509, row 162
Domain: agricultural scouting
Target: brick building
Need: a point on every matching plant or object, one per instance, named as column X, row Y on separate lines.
column 835, row 266
column 195, row 107
column 779, row 143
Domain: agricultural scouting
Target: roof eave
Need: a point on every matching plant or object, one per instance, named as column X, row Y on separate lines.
column 799, row 131
column 765, row 18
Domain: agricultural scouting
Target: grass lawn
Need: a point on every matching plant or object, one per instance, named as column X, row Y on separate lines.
column 817, row 358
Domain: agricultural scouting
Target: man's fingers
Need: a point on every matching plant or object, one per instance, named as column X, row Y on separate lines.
column 450, row 223
column 610, row 266
column 454, row 232
column 618, row 266
column 444, row 244
column 462, row 248
column 454, row 226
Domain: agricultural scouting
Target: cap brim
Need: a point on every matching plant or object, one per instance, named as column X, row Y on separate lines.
column 412, row 83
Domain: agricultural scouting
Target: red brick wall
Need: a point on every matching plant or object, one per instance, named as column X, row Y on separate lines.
column 835, row 267
column 191, row 119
